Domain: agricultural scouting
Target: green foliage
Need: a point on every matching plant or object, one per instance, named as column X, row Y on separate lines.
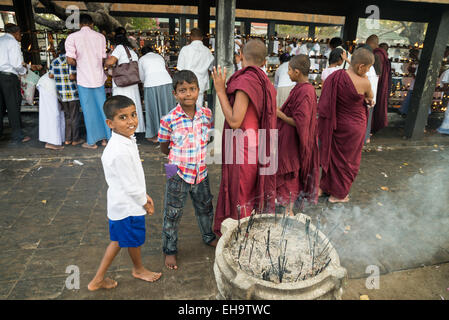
column 138, row 23
column 284, row 30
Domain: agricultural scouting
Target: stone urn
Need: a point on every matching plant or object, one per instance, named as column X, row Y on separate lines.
column 234, row 282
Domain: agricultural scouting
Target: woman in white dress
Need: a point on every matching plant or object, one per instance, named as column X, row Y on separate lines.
column 158, row 91
column 282, row 81
column 51, row 118
column 119, row 56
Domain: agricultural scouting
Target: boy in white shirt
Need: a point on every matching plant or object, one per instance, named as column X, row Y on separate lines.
column 127, row 199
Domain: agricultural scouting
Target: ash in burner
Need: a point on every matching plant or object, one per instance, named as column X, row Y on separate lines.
column 279, row 250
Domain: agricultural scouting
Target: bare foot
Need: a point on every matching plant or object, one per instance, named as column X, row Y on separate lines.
column 75, row 143
column 146, row 275
column 26, row 139
column 104, row 143
column 53, row 146
column 170, row 262
column 89, row 146
column 213, row 243
column 332, row 199
column 68, row 142
column 106, row 283
column 320, row 192
column 368, row 140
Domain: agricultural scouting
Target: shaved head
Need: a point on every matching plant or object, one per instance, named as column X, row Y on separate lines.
column 301, row 63
column 373, row 41
column 362, row 56
column 255, row 52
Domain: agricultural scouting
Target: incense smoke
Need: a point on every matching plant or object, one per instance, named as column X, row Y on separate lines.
column 394, row 231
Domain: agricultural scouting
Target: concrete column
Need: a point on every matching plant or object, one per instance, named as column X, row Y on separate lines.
column 182, row 31
column 171, row 26
column 25, row 20
column 204, row 19
column 270, row 35
column 191, row 24
column 312, row 31
column 224, row 55
column 437, row 36
column 350, row 28
column 247, row 27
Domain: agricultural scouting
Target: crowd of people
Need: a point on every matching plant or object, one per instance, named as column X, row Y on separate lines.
column 317, row 142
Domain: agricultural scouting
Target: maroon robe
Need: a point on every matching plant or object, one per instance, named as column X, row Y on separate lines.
column 380, row 119
column 242, row 184
column 342, row 126
column 299, row 168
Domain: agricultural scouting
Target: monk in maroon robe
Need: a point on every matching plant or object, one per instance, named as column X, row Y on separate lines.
column 249, row 105
column 298, row 169
column 383, row 69
column 343, row 111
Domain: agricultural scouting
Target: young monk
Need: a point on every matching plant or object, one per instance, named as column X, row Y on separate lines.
column 383, row 70
column 343, row 109
column 249, row 105
column 299, row 170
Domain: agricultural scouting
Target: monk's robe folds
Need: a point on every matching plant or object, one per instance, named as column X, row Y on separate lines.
column 241, row 183
column 341, row 124
column 298, row 172
column 380, row 116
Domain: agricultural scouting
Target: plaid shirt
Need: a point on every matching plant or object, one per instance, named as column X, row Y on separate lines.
column 67, row 89
column 188, row 141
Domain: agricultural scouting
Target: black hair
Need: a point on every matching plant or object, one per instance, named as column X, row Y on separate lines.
column 196, row 33
column 335, row 55
column 61, row 46
column 86, row 19
column 120, row 30
column 122, row 39
column 11, row 28
column 301, row 63
column 335, row 42
column 184, row 76
column 285, row 57
column 146, row 50
column 115, row 103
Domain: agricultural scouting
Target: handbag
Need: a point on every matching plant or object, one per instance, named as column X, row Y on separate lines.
column 126, row 74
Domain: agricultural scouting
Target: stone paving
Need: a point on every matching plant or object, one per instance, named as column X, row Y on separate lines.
column 53, row 215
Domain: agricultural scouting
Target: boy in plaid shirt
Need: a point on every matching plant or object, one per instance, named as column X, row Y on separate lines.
column 183, row 136
column 65, row 78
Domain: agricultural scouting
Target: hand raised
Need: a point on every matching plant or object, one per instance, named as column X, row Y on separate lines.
column 219, row 77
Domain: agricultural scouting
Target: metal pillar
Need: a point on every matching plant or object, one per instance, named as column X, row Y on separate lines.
column 270, row 35
column 25, row 20
column 247, row 27
column 171, row 26
column 312, row 29
column 204, row 19
column 182, row 32
column 350, row 28
column 224, row 55
column 437, row 36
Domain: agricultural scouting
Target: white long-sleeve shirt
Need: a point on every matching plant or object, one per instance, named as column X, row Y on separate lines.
column 196, row 57
column 11, row 58
column 125, row 178
column 152, row 70
column 281, row 77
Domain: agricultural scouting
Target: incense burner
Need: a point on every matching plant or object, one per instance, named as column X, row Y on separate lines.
column 251, row 263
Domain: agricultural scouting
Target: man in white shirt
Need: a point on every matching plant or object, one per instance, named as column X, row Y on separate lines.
column 12, row 66
column 197, row 58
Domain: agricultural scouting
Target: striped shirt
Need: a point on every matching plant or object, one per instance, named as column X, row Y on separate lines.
column 66, row 88
column 188, row 141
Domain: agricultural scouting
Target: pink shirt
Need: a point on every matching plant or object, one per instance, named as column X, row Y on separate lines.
column 88, row 48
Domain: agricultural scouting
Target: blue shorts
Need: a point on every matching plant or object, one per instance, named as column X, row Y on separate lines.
column 129, row 232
